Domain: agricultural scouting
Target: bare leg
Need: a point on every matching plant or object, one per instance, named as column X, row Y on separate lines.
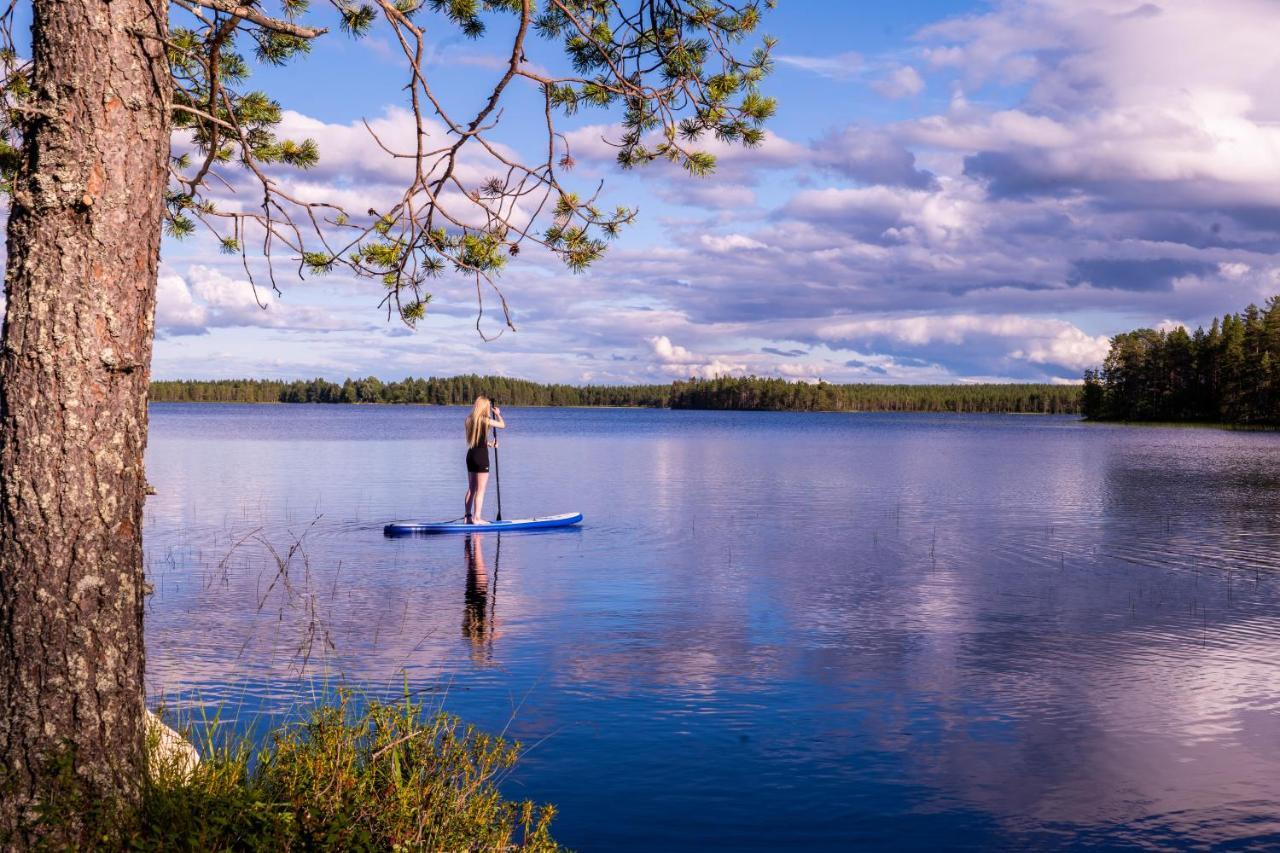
column 477, row 497
column 467, row 511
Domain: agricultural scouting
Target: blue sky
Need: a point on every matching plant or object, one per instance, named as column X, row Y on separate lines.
column 951, row 191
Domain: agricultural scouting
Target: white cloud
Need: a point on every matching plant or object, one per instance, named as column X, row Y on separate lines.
column 1233, row 270
column 897, row 213
column 1066, row 346
column 351, row 152
column 175, row 308
column 1033, row 339
column 677, row 361
column 730, row 242
column 220, row 291
column 1179, row 100
column 1002, row 130
column 207, row 298
column 669, row 353
column 901, row 82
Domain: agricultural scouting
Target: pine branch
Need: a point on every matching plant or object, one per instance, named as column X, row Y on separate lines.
column 255, row 16
column 671, row 65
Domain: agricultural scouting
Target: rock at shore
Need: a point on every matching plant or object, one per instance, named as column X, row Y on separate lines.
column 170, row 751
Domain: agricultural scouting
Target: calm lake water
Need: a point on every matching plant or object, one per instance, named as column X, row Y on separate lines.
column 773, row 630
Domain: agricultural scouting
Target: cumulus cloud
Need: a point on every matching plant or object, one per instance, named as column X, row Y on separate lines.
column 207, row 298
column 901, row 82
column 890, row 214
column 669, row 353
column 1033, row 339
column 1068, row 347
column 677, row 361
column 1168, row 107
column 730, row 242
column 177, row 313
column 358, row 152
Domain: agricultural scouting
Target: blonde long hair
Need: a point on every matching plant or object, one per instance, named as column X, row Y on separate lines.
column 478, row 422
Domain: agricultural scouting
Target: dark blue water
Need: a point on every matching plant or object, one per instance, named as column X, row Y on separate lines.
column 773, row 630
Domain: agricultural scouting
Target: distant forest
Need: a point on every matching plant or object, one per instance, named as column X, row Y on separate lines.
column 1228, row 374
column 748, row 394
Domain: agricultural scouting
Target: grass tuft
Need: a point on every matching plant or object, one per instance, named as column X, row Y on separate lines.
column 350, row 776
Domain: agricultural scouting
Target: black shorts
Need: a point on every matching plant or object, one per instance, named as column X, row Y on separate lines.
column 478, row 459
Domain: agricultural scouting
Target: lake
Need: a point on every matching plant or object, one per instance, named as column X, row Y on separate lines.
column 773, row 630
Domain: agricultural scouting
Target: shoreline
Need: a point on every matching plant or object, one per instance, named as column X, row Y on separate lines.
column 1186, row 424
column 623, row 408
column 1078, row 416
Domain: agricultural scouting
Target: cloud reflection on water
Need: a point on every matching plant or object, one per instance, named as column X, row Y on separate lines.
column 1065, row 633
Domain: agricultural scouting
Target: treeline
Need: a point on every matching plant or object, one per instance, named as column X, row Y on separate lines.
column 453, row 391
column 1228, row 374
column 748, row 394
column 755, row 394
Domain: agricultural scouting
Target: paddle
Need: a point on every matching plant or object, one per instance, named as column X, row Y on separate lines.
column 497, row 475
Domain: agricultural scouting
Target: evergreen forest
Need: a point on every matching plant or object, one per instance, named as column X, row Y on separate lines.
column 1229, row 373
column 727, row 393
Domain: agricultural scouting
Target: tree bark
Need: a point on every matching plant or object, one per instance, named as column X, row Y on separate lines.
column 83, row 250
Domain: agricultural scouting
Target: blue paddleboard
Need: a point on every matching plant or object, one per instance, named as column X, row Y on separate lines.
column 401, row 528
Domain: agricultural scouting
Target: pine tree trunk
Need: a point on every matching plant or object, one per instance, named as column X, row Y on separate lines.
column 83, row 249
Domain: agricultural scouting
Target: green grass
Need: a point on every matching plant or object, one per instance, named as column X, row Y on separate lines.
column 350, row 776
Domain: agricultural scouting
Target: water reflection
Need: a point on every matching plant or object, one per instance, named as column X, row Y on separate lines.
column 479, row 614
column 774, row 630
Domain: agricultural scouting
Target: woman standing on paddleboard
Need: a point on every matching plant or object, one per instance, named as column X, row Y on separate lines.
column 483, row 415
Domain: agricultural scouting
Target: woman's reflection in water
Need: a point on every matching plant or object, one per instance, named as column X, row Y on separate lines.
column 478, row 610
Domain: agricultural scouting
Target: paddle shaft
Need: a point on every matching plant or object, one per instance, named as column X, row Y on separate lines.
column 497, row 479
